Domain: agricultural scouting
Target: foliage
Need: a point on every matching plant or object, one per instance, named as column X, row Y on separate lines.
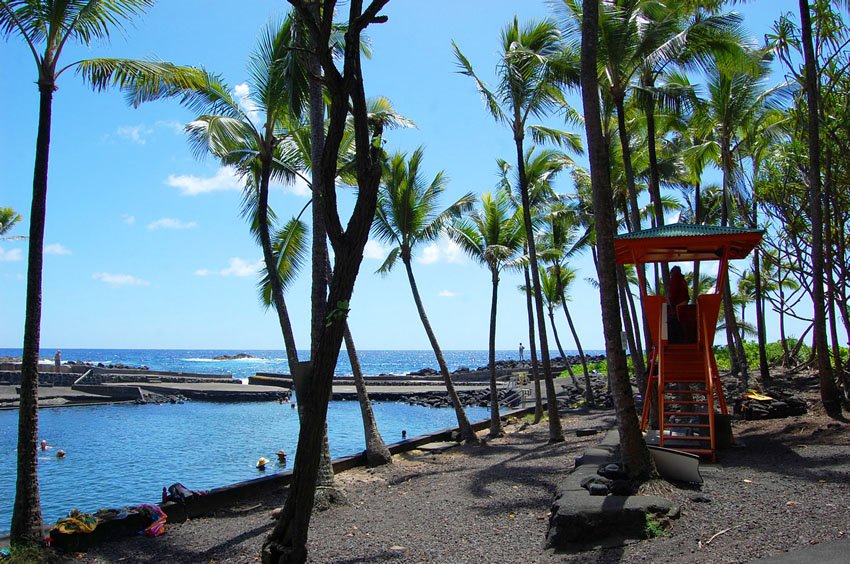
column 653, row 527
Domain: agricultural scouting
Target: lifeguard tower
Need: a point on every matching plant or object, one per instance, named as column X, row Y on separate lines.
column 682, row 370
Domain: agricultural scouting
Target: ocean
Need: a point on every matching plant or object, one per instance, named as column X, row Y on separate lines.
column 121, row 455
column 373, row 362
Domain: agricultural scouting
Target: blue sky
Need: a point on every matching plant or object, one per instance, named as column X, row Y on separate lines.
column 144, row 245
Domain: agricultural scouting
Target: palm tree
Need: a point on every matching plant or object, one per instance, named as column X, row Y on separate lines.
column 46, row 28
column 633, row 452
column 563, row 242
column 828, row 389
column 407, row 215
column 736, row 96
column 552, row 297
column 492, row 236
column 8, row 219
column 531, row 68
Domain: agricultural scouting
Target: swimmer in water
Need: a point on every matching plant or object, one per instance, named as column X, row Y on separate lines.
column 43, row 444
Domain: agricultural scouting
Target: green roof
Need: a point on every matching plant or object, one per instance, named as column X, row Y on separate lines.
column 686, row 230
column 685, row 242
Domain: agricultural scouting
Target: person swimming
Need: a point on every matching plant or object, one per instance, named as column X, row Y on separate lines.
column 60, row 453
column 44, row 444
column 261, row 463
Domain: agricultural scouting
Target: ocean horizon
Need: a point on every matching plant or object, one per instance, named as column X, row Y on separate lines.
column 373, row 362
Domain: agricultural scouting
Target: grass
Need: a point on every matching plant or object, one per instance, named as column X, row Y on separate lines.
column 29, row 554
column 653, row 527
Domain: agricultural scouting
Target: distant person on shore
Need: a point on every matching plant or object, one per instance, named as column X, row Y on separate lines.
column 521, row 352
column 57, row 360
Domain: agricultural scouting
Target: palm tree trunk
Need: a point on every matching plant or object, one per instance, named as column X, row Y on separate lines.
column 588, row 388
column 634, row 211
column 828, row 390
column 26, row 515
column 633, row 448
column 654, row 177
column 464, row 427
column 532, row 349
column 561, row 349
column 377, row 452
column 556, row 432
column 764, row 369
column 495, row 419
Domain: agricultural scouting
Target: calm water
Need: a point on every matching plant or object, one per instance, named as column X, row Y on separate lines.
column 124, row 454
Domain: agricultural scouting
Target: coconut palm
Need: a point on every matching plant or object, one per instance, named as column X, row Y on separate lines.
column 552, row 297
column 8, row 219
column 46, row 28
column 407, row 215
column 562, row 241
column 532, row 66
column 493, row 236
column 736, row 96
column 633, row 452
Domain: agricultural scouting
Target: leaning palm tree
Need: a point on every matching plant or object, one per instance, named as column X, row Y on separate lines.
column 531, row 67
column 407, row 215
column 493, row 236
column 46, row 28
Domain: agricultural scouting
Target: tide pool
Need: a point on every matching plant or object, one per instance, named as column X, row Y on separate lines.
column 119, row 455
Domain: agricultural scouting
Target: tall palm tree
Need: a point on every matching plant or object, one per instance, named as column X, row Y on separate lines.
column 737, row 94
column 492, row 236
column 46, row 28
column 633, row 452
column 407, row 215
column 828, row 390
column 532, row 66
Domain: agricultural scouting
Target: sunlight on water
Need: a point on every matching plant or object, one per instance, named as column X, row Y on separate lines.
column 124, row 454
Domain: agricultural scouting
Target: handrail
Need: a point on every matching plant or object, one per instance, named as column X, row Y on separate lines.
column 83, row 377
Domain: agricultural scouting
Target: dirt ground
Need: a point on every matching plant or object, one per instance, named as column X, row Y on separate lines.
column 785, row 485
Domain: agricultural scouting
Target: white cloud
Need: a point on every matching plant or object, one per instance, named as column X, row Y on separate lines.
column 447, row 294
column 374, row 250
column 56, row 249
column 189, row 185
column 128, row 219
column 300, row 188
column 135, row 133
column 119, row 279
column 443, row 250
column 236, row 266
column 10, row 256
column 171, row 223
column 171, row 124
column 242, row 92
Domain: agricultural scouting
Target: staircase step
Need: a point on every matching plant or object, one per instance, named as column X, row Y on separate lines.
column 685, row 414
column 685, row 438
column 687, row 425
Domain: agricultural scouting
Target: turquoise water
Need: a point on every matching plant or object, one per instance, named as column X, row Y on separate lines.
column 124, row 454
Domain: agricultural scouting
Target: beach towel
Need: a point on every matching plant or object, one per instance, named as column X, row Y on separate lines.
column 76, row 522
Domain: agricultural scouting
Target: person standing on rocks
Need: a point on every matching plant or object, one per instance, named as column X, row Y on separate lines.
column 521, row 352
column 57, row 360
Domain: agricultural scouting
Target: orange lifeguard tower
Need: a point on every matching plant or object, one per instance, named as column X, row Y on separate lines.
column 683, row 374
